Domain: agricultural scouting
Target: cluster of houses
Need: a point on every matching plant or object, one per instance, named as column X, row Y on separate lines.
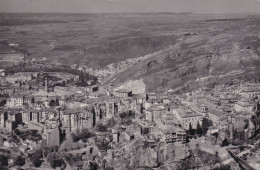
column 230, row 107
column 166, row 117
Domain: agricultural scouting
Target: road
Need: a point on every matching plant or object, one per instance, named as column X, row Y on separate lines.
column 241, row 161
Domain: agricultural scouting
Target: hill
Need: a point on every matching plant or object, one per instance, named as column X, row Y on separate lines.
column 213, row 52
column 186, row 50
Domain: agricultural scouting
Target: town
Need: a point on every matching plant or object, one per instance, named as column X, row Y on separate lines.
column 63, row 117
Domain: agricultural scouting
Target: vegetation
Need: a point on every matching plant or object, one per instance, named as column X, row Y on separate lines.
column 3, row 161
column 36, row 158
column 101, row 128
column 128, row 114
column 83, row 135
column 103, row 144
column 55, row 160
column 206, row 123
column 197, row 131
column 146, row 131
column 223, row 167
column 111, row 123
column 27, row 67
column 225, row 143
column 20, row 161
column 84, row 78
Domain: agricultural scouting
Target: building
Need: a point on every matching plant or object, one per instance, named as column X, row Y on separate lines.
column 187, row 118
column 14, row 115
column 28, row 100
column 228, row 99
column 149, row 114
column 244, row 105
column 121, row 93
column 10, row 125
column 19, row 77
column 2, row 72
column 76, row 119
column 250, row 92
column 3, row 118
column 26, row 118
column 15, row 101
column 110, row 108
column 36, row 115
column 140, row 98
column 51, row 135
column 212, row 100
column 203, row 108
column 92, row 89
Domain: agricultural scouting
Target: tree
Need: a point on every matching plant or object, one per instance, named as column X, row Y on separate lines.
column 216, row 136
column 20, row 161
column 191, row 131
column 199, row 129
column 206, row 123
column 225, row 143
column 3, row 161
column 55, row 160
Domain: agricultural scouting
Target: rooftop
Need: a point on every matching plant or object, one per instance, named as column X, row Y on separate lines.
column 187, row 114
column 123, row 91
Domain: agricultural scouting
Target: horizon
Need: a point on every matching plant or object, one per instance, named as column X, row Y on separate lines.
column 130, row 6
column 169, row 13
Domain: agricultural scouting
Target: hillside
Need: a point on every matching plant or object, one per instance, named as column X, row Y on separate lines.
column 186, row 50
column 98, row 39
column 222, row 50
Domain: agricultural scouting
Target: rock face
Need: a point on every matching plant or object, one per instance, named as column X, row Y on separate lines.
column 211, row 57
column 148, row 156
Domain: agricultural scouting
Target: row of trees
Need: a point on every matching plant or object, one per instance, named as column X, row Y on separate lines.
column 201, row 129
column 26, row 67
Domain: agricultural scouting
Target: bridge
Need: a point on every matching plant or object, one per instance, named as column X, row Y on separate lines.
column 241, row 162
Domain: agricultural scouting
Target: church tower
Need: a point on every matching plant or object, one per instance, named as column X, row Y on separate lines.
column 46, row 88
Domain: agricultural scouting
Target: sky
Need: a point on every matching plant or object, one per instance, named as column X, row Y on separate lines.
column 132, row 6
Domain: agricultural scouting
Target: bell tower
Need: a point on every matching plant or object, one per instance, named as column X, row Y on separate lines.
column 46, row 87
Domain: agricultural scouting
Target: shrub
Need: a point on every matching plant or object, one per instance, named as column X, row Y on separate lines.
column 84, row 135
column 101, row 128
column 20, row 161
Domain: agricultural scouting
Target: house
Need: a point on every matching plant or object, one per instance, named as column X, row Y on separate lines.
column 187, row 118
column 10, row 125
column 51, row 136
column 73, row 119
column 26, row 117
column 140, row 98
column 28, row 100
column 2, row 72
column 14, row 115
column 20, row 77
column 221, row 123
column 92, row 89
column 149, row 114
column 3, row 118
column 174, row 134
column 244, row 105
column 110, row 108
column 121, row 93
column 204, row 109
column 212, row 100
column 250, row 92
column 158, row 111
column 199, row 99
column 15, row 101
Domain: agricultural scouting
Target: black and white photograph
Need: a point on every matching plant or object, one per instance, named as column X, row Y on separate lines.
column 129, row 84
